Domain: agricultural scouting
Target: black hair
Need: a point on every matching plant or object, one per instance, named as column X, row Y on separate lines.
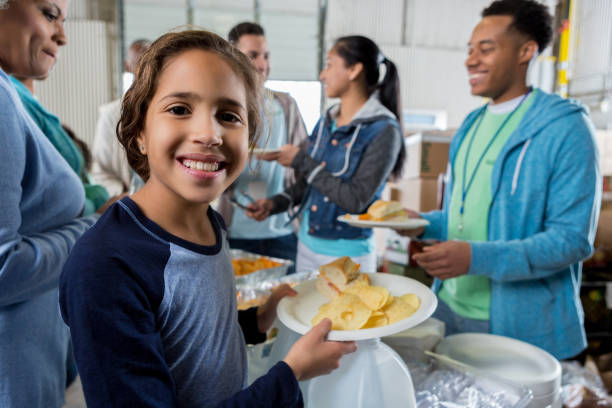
column 356, row 48
column 528, row 17
column 244, row 28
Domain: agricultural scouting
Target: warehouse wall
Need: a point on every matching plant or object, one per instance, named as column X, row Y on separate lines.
column 83, row 77
column 427, row 39
column 591, row 59
column 429, row 59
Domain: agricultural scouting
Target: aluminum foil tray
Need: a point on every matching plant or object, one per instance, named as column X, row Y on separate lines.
column 254, row 279
column 257, row 293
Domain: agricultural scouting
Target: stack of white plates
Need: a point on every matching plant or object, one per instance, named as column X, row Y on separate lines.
column 511, row 359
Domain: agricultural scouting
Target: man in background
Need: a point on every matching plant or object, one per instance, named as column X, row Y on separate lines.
column 522, row 198
column 275, row 236
column 110, row 166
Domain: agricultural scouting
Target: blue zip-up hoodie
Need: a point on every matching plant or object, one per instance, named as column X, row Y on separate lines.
column 545, row 200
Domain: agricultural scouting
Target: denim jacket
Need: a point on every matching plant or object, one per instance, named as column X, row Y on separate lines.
column 344, row 171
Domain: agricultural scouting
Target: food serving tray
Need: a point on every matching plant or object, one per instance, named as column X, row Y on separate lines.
column 260, row 275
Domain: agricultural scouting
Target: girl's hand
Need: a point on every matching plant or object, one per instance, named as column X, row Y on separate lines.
column 267, row 312
column 411, row 232
column 259, row 210
column 312, row 355
column 287, row 154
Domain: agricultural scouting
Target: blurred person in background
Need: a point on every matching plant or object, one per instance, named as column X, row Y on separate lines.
column 41, row 215
column 274, row 237
column 110, row 167
column 352, row 151
column 522, row 196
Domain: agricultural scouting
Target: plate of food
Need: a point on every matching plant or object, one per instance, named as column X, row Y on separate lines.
column 360, row 305
column 384, row 214
column 259, row 150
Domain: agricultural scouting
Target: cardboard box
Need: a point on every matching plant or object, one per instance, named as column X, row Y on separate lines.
column 603, row 238
column 604, row 144
column 426, row 154
column 418, row 194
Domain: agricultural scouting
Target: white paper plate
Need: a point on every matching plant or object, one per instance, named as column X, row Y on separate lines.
column 507, row 358
column 297, row 312
column 410, row 223
column 258, row 150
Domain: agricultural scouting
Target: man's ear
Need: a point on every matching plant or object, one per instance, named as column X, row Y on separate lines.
column 527, row 51
column 355, row 70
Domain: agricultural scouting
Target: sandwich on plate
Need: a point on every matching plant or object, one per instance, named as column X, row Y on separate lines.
column 381, row 210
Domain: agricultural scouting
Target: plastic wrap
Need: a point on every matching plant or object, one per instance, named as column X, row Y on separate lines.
column 256, row 292
column 440, row 383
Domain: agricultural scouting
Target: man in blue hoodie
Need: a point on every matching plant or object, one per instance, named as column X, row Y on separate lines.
column 522, row 198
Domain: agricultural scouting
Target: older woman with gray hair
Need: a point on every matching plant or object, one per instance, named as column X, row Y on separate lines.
column 40, row 215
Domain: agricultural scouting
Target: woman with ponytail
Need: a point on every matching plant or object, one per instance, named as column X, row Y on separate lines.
column 353, row 150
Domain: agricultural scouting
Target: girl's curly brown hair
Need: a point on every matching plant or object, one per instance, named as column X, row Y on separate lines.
column 136, row 100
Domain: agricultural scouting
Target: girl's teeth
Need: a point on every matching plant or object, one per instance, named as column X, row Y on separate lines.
column 198, row 165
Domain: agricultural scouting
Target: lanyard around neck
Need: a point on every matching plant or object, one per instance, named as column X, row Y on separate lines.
column 464, row 189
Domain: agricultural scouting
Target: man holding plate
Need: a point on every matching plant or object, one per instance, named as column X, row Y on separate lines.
column 522, row 198
column 275, row 236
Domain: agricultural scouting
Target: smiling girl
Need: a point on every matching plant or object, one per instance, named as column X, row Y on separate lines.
column 149, row 292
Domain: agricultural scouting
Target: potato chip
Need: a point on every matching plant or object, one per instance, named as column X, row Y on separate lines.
column 398, row 310
column 377, row 319
column 374, row 297
column 346, row 311
column 412, row 299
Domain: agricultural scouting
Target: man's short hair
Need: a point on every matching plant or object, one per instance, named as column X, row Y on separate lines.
column 528, row 17
column 244, row 28
column 140, row 45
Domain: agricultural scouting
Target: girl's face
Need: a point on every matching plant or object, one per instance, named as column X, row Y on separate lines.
column 31, row 33
column 196, row 129
column 336, row 76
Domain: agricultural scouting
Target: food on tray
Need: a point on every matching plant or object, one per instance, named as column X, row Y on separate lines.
column 381, row 210
column 244, row 266
column 354, row 303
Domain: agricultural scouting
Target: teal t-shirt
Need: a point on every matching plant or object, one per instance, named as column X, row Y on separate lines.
column 334, row 247
column 470, row 296
column 50, row 125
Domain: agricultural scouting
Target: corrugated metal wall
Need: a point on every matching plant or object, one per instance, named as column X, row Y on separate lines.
column 591, row 59
column 427, row 40
column 592, row 56
column 80, row 82
column 291, row 27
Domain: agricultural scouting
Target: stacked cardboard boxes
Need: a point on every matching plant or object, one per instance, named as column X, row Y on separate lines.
column 420, row 187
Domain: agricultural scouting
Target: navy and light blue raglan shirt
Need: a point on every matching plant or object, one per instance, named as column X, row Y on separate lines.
column 41, row 200
column 154, row 321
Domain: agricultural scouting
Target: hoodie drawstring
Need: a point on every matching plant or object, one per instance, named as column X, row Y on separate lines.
column 517, row 169
column 348, row 153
